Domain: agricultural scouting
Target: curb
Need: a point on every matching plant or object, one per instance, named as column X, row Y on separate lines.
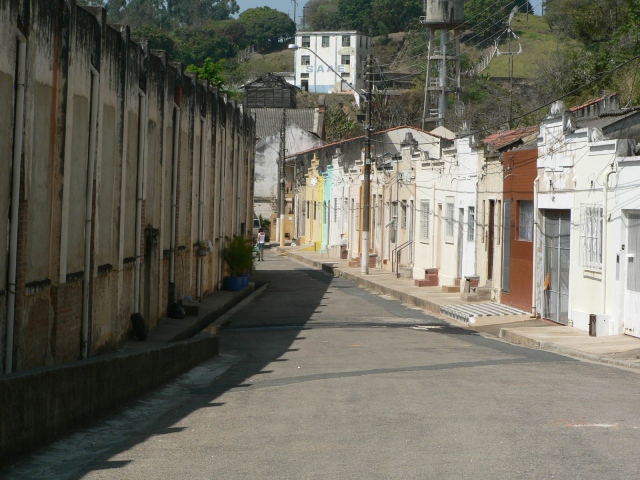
column 512, row 336
column 337, row 272
column 507, row 334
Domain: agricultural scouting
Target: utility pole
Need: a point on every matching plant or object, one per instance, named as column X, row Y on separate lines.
column 282, row 178
column 366, row 207
column 295, row 7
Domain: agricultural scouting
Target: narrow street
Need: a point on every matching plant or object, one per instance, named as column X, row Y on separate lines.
column 318, row 378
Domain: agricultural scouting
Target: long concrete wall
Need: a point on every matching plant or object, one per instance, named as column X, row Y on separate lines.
column 104, row 122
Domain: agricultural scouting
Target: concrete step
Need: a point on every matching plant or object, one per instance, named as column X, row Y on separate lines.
column 450, row 288
column 467, row 312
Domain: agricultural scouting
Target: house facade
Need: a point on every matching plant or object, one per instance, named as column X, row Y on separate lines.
column 324, row 61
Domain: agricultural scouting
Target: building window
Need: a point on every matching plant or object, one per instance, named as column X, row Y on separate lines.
column 471, row 224
column 345, row 59
column 335, row 210
column 591, row 228
column 304, row 75
column 315, row 210
column 360, row 42
column 308, row 209
column 306, row 59
column 404, row 215
column 424, row 220
column 324, row 212
column 325, row 40
column 525, row 220
column 449, row 220
column 306, row 41
column 346, row 40
column 344, row 75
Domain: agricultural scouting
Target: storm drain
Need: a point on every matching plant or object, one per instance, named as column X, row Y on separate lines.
column 466, row 312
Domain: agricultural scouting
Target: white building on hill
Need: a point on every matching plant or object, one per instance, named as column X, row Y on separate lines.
column 324, row 59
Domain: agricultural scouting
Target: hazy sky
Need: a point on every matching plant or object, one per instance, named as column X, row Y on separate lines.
column 285, row 6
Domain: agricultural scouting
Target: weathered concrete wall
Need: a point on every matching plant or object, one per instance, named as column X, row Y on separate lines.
column 42, row 405
column 139, row 97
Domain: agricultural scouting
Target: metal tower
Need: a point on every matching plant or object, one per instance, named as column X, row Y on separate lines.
column 443, row 18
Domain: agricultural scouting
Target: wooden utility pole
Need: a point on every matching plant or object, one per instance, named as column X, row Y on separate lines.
column 366, row 207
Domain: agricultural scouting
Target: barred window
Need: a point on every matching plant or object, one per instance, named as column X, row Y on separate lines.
column 306, row 41
column 424, row 220
column 335, row 210
column 591, row 229
column 404, row 215
column 525, row 220
column 325, row 41
column 305, row 59
column 449, row 220
column 345, row 59
column 471, row 224
column 346, row 40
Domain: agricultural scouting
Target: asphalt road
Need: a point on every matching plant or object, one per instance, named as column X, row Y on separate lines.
column 321, row 379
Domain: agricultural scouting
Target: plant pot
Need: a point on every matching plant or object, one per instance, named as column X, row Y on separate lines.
column 232, row 284
column 245, row 280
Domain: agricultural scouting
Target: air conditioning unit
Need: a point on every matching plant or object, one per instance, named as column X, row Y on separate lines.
column 601, row 325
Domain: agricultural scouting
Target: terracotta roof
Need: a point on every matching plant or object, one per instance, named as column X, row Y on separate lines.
column 593, row 101
column 500, row 140
column 362, row 137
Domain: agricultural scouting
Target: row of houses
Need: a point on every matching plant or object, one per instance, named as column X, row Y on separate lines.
column 545, row 219
column 122, row 177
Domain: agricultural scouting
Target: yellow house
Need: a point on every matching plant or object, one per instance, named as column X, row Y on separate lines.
column 312, row 208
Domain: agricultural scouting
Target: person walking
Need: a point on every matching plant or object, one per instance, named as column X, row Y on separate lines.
column 261, row 238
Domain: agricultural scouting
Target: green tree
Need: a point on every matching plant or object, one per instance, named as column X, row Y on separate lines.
column 198, row 44
column 197, row 12
column 355, row 15
column 158, row 39
column 213, row 72
column 390, row 16
column 266, row 27
column 488, row 17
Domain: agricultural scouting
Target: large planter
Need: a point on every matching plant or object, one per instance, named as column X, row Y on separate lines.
column 233, row 284
column 245, row 280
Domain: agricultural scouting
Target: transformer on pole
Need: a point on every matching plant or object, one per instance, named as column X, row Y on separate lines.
column 443, row 20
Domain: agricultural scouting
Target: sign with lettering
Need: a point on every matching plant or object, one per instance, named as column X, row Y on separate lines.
column 324, row 68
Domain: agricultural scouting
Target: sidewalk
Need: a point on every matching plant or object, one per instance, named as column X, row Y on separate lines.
column 45, row 403
column 515, row 327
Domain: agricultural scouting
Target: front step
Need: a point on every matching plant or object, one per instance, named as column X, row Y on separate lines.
column 450, row 288
column 467, row 312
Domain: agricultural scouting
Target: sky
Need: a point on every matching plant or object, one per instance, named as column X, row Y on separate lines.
column 285, row 6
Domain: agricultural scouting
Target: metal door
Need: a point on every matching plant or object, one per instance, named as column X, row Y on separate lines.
column 632, row 283
column 490, row 238
column 506, row 247
column 556, row 244
column 460, row 240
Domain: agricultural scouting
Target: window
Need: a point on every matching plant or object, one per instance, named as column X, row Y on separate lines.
column 525, row 220
column 308, row 209
column 346, row 41
column 304, row 75
column 335, row 210
column 344, row 75
column 404, row 215
column 325, row 41
column 306, row 59
column 345, row 59
column 315, row 210
column 591, row 227
column 324, row 212
column 424, row 220
column 449, row 220
column 306, row 41
column 471, row 224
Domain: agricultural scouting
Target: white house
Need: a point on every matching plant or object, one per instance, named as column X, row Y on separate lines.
column 324, row 61
column 587, row 214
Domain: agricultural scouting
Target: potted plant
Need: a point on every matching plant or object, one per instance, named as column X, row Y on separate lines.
column 238, row 255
